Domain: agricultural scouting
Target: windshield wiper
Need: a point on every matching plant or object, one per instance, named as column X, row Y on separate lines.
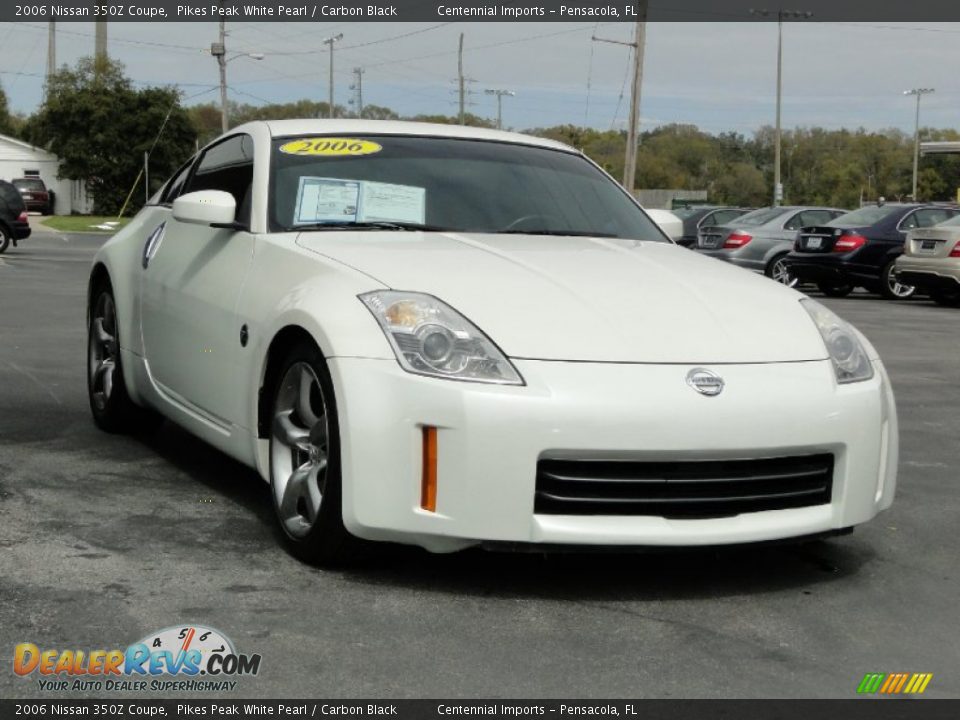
column 569, row 233
column 371, row 225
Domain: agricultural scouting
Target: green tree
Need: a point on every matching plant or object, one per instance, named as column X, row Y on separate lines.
column 7, row 121
column 100, row 126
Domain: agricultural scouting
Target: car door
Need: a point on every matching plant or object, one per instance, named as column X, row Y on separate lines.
column 191, row 282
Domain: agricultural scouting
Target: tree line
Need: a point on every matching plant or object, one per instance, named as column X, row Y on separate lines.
column 100, row 125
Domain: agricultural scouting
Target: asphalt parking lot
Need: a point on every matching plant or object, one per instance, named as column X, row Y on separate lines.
column 104, row 539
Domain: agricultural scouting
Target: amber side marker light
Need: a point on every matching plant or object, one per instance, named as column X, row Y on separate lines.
column 428, row 480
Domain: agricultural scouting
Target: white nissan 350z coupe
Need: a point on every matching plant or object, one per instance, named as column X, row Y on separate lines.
column 449, row 336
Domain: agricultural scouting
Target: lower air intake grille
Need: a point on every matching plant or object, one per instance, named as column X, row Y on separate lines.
column 694, row 489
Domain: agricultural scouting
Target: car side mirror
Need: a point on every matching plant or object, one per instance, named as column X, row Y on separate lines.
column 206, row 207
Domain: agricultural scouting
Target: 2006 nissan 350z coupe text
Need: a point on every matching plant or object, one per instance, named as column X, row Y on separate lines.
column 448, row 336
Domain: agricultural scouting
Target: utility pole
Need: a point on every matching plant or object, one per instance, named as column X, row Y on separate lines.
column 219, row 51
column 51, row 55
column 460, row 79
column 633, row 125
column 357, row 87
column 330, row 41
column 781, row 16
column 100, row 43
column 919, row 92
column 500, row 95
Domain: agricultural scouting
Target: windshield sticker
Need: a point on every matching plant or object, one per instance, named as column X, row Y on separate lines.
column 401, row 203
column 330, row 147
column 321, row 200
column 327, row 200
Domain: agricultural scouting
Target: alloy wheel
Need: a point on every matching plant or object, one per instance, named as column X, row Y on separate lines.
column 299, row 451
column 898, row 289
column 104, row 350
column 781, row 273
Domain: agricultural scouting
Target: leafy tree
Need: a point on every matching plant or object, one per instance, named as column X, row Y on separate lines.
column 7, row 126
column 100, row 126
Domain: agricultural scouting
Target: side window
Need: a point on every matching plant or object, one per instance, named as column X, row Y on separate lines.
column 909, row 222
column 932, row 216
column 172, row 189
column 227, row 166
column 793, row 223
column 710, row 219
column 815, row 217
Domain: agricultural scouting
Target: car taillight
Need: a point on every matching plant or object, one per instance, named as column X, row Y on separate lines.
column 22, row 217
column 847, row 243
column 736, row 240
column 956, row 250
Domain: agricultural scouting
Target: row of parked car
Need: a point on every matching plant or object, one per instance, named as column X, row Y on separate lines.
column 895, row 249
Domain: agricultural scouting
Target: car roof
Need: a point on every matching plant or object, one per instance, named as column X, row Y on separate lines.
column 288, row 128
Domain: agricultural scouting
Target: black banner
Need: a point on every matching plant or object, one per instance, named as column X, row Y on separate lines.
column 472, row 10
column 863, row 709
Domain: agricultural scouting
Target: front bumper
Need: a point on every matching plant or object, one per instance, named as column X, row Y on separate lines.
column 490, row 439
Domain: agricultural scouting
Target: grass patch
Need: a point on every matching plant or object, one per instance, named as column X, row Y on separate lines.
column 82, row 223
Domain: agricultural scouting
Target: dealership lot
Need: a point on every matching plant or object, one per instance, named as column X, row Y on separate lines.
column 105, row 539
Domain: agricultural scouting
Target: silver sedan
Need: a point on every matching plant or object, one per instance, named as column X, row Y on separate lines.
column 761, row 239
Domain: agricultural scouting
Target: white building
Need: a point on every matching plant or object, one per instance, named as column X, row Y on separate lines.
column 20, row 159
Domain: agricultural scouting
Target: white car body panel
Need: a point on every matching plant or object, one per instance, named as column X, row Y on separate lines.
column 671, row 225
column 603, row 332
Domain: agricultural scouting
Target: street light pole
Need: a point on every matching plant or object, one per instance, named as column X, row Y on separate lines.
column 919, row 92
column 500, row 95
column 781, row 15
column 219, row 51
column 330, row 41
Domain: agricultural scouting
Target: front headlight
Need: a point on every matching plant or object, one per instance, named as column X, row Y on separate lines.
column 850, row 360
column 431, row 338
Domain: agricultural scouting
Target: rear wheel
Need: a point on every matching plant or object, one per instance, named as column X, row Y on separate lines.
column 305, row 460
column 4, row 240
column 112, row 408
column 777, row 270
column 836, row 291
column 947, row 298
column 891, row 288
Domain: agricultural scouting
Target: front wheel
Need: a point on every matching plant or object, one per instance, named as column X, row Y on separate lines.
column 835, row 291
column 778, row 270
column 891, row 288
column 305, row 472
column 112, row 408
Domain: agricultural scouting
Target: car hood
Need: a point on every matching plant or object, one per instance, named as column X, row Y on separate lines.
column 589, row 299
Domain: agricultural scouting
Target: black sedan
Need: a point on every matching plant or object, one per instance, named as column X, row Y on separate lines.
column 698, row 216
column 14, row 224
column 859, row 249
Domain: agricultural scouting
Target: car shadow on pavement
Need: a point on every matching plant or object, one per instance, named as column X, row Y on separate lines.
column 604, row 575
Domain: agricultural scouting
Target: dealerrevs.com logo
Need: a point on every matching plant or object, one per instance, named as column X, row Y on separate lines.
column 181, row 658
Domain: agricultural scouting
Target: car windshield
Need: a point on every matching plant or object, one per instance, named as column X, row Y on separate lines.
column 402, row 182
column 870, row 215
column 28, row 184
column 760, row 217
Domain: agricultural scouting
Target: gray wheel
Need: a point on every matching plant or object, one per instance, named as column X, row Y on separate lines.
column 891, row 288
column 112, row 408
column 778, row 270
column 305, row 475
column 299, row 455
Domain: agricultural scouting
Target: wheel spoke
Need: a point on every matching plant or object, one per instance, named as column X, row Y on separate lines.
column 285, row 430
column 304, row 407
column 295, row 490
column 313, row 496
column 103, row 337
column 107, row 379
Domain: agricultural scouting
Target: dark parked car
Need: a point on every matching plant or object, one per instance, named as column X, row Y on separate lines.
column 859, row 249
column 13, row 216
column 698, row 216
column 35, row 194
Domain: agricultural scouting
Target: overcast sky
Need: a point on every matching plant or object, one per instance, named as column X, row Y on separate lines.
column 720, row 76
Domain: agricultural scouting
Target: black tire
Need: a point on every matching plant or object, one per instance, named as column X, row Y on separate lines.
column 322, row 540
column 947, row 298
column 835, row 291
column 113, row 410
column 4, row 240
column 889, row 286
